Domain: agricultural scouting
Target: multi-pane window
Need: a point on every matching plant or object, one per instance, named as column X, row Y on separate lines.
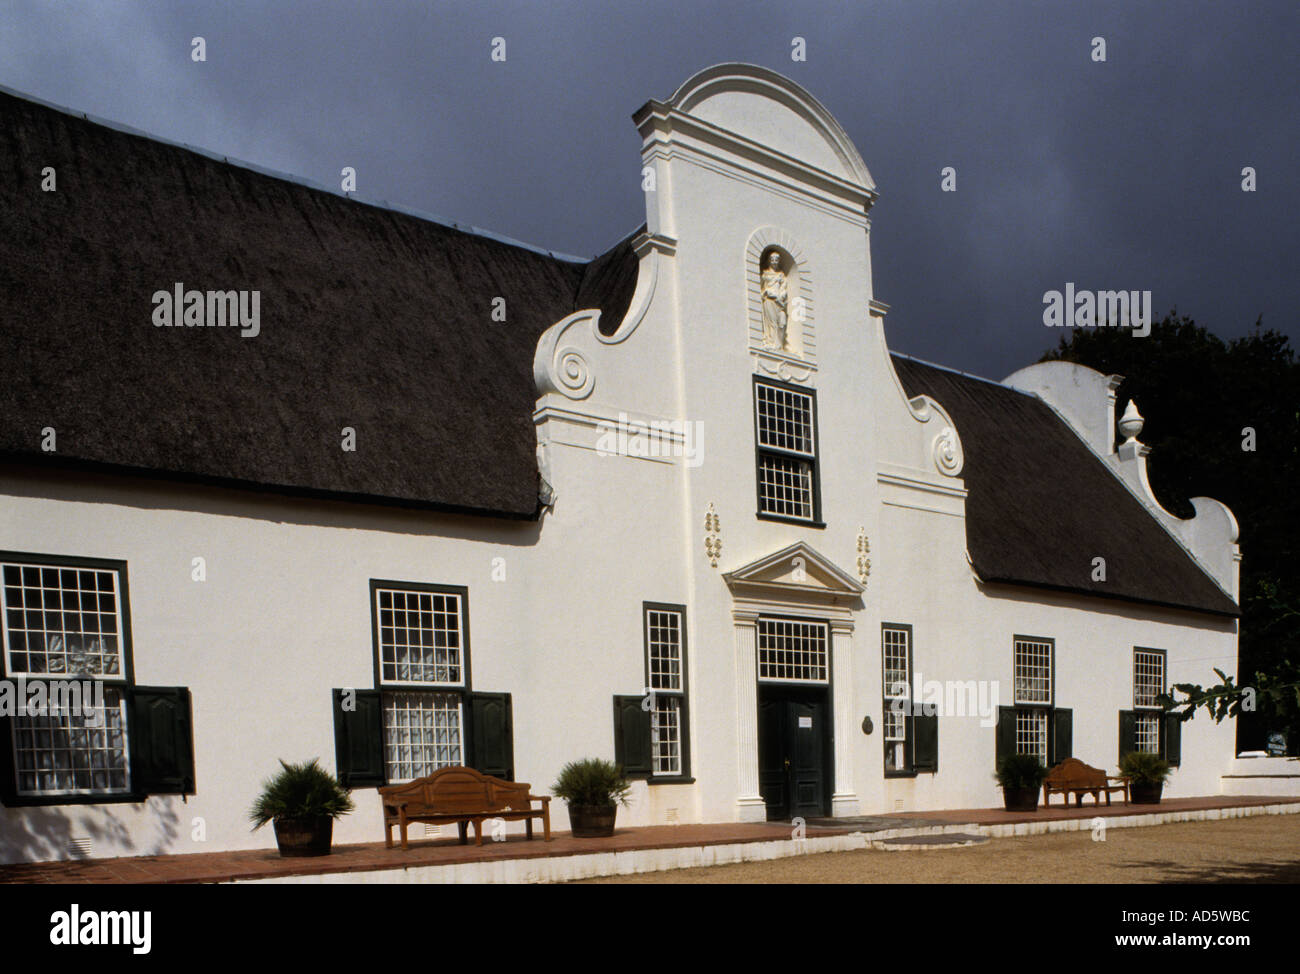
column 1147, row 733
column 1032, row 685
column 896, row 652
column 422, row 733
column 63, row 623
column 1148, row 678
column 793, row 651
column 786, row 436
column 1148, row 685
column 420, row 638
column 1031, row 733
column 665, row 647
column 1033, row 671
column 666, row 735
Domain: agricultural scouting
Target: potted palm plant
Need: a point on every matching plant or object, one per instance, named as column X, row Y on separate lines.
column 593, row 789
column 1147, row 774
column 1021, row 776
column 302, row 801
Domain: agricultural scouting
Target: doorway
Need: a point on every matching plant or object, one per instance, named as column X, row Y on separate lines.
column 794, row 751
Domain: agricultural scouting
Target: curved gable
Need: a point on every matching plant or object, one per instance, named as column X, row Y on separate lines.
column 773, row 111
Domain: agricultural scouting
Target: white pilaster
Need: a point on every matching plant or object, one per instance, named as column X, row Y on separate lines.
column 749, row 803
column 844, row 800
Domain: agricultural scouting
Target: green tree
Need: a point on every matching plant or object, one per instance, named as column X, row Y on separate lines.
column 1223, row 421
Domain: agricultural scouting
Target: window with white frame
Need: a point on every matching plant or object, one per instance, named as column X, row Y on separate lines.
column 1031, row 733
column 1032, row 685
column 793, row 651
column 419, row 636
column 1033, row 671
column 60, row 623
column 421, row 646
column 665, row 646
column 422, row 732
column 786, row 437
column 896, row 655
column 1148, row 685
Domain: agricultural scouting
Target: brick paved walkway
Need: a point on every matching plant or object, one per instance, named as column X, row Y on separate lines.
column 215, row 867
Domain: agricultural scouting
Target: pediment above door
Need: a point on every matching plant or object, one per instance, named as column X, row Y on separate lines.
column 795, row 575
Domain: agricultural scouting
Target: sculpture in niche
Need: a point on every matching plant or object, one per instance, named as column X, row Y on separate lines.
column 775, row 289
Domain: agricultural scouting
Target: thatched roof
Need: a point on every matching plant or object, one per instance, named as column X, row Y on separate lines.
column 382, row 321
column 1041, row 505
column 370, row 318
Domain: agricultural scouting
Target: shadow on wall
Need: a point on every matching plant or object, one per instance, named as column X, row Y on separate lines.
column 75, row 484
column 44, row 834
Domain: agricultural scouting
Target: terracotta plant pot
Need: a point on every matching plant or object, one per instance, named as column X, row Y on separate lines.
column 1145, row 794
column 304, row 836
column 592, row 821
column 1020, row 799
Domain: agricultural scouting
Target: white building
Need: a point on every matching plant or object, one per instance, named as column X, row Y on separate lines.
column 496, row 497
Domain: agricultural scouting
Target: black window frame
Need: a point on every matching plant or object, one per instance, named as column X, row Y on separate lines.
column 1051, row 708
column 1168, row 724
column 462, row 691
column 823, row 621
column 124, row 682
column 919, row 722
column 907, row 770
column 684, row 777
column 760, row 451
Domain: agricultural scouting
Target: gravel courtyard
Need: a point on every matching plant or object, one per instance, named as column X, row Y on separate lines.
column 1263, row 849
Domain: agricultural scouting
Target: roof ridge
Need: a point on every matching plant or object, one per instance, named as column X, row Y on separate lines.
column 296, row 180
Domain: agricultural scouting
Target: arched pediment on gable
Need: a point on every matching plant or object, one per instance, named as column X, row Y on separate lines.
column 771, row 110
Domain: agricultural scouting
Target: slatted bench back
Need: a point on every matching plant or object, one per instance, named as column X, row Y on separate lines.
column 458, row 790
column 1073, row 773
column 455, row 790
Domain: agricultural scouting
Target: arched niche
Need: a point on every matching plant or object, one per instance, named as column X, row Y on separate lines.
column 792, row 355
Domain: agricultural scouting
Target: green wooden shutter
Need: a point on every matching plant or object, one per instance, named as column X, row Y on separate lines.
column 161, row 739
column 631, row 735
column 1062, row 736
column 1172, row 739
column 492, row 747
column 359, row 738
column 1127, row 733
column 925, row 753
column 1006, row 734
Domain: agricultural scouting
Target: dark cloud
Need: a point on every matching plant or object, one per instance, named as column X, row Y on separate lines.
column 1117, row 174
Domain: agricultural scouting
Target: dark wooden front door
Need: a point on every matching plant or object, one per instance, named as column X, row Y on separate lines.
column 793, row 751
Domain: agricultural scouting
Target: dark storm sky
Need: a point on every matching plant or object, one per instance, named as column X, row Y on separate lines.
column 1123, row 174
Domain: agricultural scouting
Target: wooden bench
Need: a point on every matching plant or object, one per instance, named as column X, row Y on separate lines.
column 1072, row 776
column 464, row 796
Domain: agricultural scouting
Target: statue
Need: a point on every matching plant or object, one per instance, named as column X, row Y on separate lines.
column 776, row 296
